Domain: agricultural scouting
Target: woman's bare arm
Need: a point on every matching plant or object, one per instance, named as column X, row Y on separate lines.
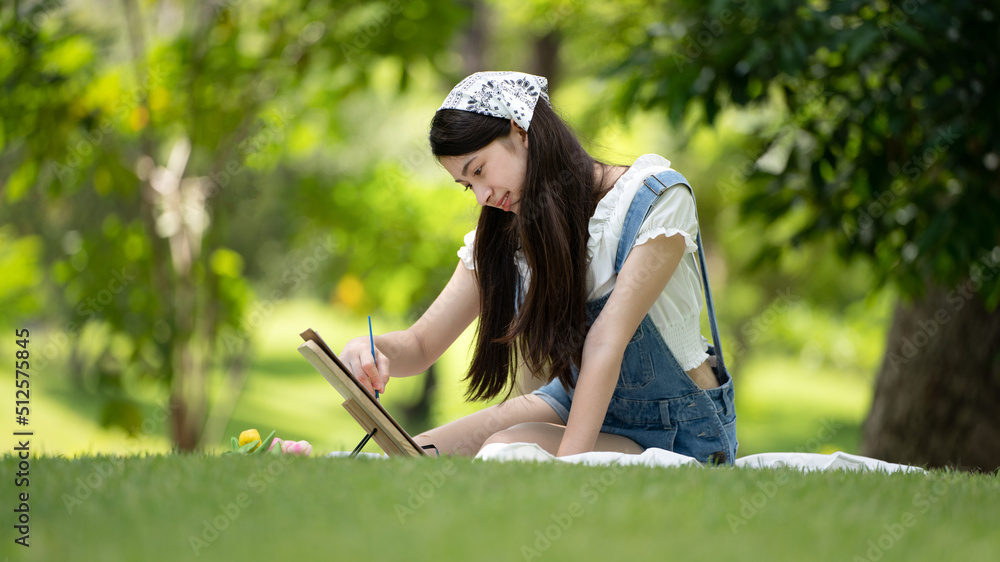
column 645, row 274
column 409, row 352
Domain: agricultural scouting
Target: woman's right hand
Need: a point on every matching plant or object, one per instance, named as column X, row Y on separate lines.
column 357, row 356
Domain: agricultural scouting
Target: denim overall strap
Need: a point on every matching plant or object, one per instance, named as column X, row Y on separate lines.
column 637, row 213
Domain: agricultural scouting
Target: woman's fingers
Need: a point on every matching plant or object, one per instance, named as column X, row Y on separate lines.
column 383, row 370
column 370, row 373
column 357, row 354
column 377, row 375
column 358, row 372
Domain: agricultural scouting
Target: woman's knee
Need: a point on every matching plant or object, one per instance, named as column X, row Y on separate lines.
column 502, row 436
column 528, row 432
column 422, row 439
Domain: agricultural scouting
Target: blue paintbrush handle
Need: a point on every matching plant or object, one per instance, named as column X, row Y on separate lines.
column 371, row 338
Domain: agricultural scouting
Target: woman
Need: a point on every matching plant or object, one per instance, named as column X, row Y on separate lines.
column 577, row 268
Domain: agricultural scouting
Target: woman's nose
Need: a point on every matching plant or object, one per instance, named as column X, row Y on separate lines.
column 483, row 195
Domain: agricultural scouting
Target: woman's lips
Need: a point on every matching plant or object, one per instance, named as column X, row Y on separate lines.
column 505, row 202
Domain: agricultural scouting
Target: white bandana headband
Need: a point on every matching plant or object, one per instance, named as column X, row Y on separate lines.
column 507, row 95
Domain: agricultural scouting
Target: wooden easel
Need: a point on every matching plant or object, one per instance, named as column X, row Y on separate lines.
column 363, row 407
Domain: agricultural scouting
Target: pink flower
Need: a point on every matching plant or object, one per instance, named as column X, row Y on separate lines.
column 286, row 446
column 302, row 448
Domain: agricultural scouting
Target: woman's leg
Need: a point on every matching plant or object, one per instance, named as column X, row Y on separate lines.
column 465, row 436
column 549, row 436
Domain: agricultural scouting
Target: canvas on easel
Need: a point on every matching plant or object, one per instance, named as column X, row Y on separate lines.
column 362, row 406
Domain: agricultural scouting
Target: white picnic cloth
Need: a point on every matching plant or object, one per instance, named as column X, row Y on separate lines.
column 654, row 457
column 347, row 455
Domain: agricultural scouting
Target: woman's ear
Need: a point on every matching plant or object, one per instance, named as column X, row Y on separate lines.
column 517, row 133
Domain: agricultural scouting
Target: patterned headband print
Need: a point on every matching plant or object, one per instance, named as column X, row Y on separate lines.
column 508, row 95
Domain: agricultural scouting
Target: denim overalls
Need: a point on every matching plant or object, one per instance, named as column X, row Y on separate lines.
column 655, row 403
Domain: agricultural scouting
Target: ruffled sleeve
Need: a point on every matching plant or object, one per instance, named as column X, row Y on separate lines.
column 465, row 252
column 672, row 213
column 603, row 218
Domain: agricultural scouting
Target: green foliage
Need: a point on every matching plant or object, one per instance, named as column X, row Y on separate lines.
column 154, row 195
column 308, row 175
column 883, row 134
column 18, row 293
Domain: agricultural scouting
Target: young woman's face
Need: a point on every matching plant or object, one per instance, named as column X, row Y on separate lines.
column 495, row 173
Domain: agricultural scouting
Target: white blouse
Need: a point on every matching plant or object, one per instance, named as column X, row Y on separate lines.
column 676, row 313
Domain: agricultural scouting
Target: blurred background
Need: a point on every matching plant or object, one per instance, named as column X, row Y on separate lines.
column 185, row 186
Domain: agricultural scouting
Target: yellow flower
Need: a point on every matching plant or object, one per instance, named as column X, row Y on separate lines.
column 249, row 436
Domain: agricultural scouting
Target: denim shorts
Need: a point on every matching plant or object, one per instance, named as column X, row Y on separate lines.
column 656, row 404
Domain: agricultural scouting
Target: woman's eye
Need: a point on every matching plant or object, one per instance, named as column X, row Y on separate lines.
column 468, row 187
column 478, row 170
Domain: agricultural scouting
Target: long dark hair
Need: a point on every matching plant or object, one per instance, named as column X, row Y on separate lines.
column 550, row 228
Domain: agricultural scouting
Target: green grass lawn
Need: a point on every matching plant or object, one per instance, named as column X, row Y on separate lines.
column 207, row 507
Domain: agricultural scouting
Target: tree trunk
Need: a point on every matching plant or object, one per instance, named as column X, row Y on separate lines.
column 937, row 396
column 418, row 413
column 545, row 59
column 476, row 40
